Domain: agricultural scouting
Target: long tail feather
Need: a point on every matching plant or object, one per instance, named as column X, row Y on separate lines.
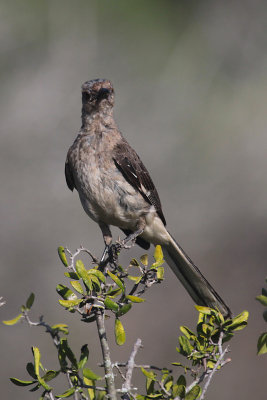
column 192, row 279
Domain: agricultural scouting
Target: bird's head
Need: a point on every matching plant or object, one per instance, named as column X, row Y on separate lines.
column 97, row 95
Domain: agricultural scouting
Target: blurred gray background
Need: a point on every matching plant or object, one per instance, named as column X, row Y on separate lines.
column 190, row 90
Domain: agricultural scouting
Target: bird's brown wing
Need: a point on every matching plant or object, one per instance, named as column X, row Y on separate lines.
column 69, row 176
column 134, row 171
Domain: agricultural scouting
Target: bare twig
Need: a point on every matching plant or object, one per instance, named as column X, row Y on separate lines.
column 50, row 395
column 109, row 375
column 75, row 394
column 145, row 366
column 163, row 388
column 130, row 366
column 220, row 362
column 54, row 335
column 72, row 256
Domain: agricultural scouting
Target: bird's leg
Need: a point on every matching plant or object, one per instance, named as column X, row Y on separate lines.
column 107, row 236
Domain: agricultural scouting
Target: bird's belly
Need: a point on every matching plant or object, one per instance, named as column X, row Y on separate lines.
column 111, row 199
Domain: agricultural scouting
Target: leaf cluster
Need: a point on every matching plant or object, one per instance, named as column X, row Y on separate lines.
column 93, row 289
column 202, row 348
column 80, row 378
column 113, row 291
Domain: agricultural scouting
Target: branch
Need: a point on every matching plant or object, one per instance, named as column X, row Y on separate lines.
column 75, row 394
column 109, row 376
column 126, row 387
column 218, row 363
column 77, row 252
column 55, row 336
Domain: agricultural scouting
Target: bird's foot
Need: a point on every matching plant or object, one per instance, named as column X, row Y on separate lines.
column 113, row 253
column 125, row 244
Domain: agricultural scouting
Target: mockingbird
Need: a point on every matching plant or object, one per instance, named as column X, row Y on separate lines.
column 115, row 188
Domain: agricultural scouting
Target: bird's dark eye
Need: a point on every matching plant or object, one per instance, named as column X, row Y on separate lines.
column 86, row 97
column 103, row 94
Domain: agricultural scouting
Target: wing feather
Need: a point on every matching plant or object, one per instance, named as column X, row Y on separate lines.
column 132, row 168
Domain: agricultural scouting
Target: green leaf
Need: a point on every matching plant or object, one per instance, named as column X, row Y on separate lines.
column 61, row 328
column 134, row 263
column 157, row 264
column 91, row 391
column 181, row 380
column 194, row 393
column 119, row 333
column 262, row 344
column 72, row 275
column 95, row 281
column 136, row 279
column 62, row 255
column 77, row 286
column 62, row 357
column 35, row 388
column 144, row 259
column 149, row 374
column 111, row 305
column 98, row 274
column 220, row 318
column 124, row 309
column 66, row 394
column 84, row 356
column 210, row 364
column 158, row 254
column 49, row 375
column 30, row 301
column 160, row 273
column 81, row 271
column 65, row 292
column 186, row 347
column 69, row 353
column 168, row 383
column 19, row 382
column 181, row 384
column 135, row 299
column 89, row 374
column 177, row 364
column 30, row 370
column 37, row 357
column 175, row 391
column 116, row 280
column 165, row 373
column 112, row 293
column 204, row 310
column 239, row 322
column 262, row 299
column 70, row 303
column 13, row 321
column 207, row 329
column 37, row 365
column 187, row 332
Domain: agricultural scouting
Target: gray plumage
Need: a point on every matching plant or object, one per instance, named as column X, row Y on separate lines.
column 116, row 189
